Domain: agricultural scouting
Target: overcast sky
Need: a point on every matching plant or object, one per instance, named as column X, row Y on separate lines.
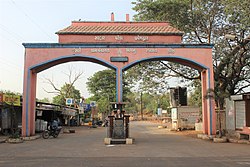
column 35, row 21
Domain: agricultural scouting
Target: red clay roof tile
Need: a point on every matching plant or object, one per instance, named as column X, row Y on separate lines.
column 132, row 28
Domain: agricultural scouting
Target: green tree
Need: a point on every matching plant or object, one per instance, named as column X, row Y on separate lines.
column 10, row 92
column 148, row 77
column 133, row 103
column 102, row 84
column 208, row 21
column 165, row 101
column 66, row 91
column 195, row 97
column 238, row 12
column 103, row 104
column 163, row 10
column 150, row 102
column 103, row 87
column 44, row 100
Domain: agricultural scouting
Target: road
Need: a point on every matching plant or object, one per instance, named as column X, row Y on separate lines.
column 153, row 147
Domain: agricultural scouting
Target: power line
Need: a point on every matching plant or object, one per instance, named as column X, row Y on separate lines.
column 27, row 16
column 11, row 64
column 18, row 37
column 10, row 39
column 10, row 71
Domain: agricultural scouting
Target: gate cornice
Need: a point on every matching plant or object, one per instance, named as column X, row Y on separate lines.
column 114, row 45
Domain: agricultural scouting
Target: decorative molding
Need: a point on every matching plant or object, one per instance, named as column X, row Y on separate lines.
column 116, row 45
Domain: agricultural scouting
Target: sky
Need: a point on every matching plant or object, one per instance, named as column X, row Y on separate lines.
column 36, row 21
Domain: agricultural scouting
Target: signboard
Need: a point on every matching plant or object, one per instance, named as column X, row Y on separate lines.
column 159, row 111
column 69, row 101
column 12, row 99
column 174, row 113
column 92, row 103
column 87, row 108
column 119, row 59
column 164, row 111
column 81, row 110
column 39, row 113
column 189, row 114
column 69, row 112
column 84, row 105
column 1, row 97
column 184, row 117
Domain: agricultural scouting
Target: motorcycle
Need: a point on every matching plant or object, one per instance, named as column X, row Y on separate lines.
column 51, row 132
column 105, row 123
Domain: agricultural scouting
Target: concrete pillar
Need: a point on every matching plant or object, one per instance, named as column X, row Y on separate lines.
column 208, row 109
column 112, row 17
column 204, row 101
column 29, row 103
column 126, row 117
column 119, row 85
column 211, row 104
column 127, row 17
column 111, row 126
column 32, row 102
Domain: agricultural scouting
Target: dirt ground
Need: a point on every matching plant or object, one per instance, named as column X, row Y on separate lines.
column 189, row 133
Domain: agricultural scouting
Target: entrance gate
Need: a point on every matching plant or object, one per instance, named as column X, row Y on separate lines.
column 119, row 46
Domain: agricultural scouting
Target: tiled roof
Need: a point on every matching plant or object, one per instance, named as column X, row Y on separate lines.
column 149, row 29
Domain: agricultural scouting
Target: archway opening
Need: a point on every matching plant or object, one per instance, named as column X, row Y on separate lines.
column 161, row 92
column 39, row 68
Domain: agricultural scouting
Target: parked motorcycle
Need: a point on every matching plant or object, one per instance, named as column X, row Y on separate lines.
column 51, row 132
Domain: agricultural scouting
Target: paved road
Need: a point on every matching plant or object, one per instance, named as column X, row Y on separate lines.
column 153, row 147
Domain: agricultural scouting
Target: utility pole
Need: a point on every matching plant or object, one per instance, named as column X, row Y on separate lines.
column 141, row 107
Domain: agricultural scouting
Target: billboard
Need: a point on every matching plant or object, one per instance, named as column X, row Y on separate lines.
column 11, row 99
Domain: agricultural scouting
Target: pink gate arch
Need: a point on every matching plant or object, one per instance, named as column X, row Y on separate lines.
column 119, row 46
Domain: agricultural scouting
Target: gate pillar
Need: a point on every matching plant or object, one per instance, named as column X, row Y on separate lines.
column 208, row 109
column 119, row 90
column 204, row 102
column 29, row 103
